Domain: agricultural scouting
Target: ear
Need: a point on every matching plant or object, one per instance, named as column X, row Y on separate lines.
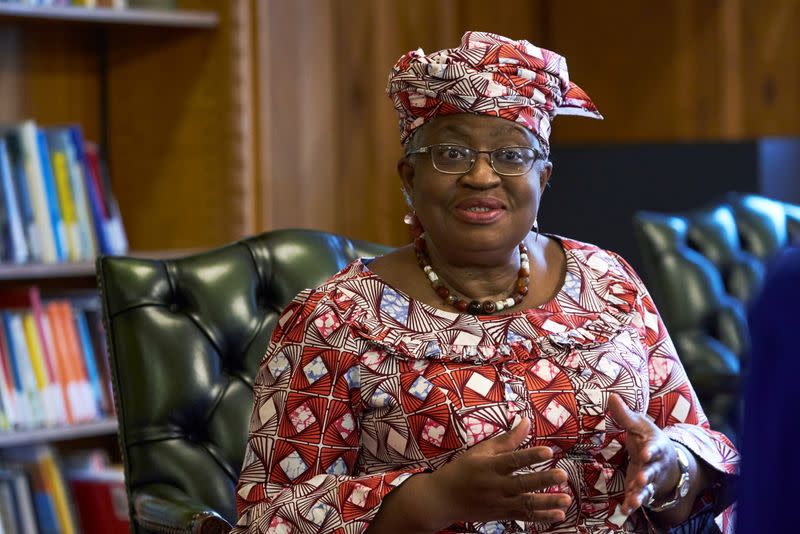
column 544, row 175
column 405, row 169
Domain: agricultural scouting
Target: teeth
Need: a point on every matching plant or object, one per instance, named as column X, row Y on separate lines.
column 479, row 208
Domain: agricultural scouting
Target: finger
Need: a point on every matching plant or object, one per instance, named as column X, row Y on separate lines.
column 623, row 416
column 635, row 482
column 633, row 501
column 645, row 450
column 530, row 482
column 508, row 441
column 508, row 462
column 547, row 507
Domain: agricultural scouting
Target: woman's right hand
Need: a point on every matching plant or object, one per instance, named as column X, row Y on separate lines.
column 480, row 485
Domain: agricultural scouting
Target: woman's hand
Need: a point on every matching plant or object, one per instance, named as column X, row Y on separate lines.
column 652, row 457
column 480, row 485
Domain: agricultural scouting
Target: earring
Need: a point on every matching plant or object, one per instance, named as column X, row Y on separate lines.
column 536, row 227
column 410, row 218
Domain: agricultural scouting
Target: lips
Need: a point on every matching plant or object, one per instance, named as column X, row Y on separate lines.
column 479, row 210
column 480, row 202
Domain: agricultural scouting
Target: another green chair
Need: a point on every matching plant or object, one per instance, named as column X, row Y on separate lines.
column 703, row 268
column 185, row 340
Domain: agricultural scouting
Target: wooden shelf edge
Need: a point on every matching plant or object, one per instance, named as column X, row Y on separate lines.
column 42, row 271
column 44, row 435
column 104, row 15
column 10, row 272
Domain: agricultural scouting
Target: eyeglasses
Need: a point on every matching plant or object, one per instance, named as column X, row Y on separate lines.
column 457, row 159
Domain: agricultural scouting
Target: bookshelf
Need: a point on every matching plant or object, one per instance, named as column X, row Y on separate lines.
column 166, row 95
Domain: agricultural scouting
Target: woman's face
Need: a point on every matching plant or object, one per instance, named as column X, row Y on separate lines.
column 476, row 217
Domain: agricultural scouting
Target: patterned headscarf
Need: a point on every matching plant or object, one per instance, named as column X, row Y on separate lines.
column 488, row 74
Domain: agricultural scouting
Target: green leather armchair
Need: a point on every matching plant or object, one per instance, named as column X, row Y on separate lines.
column 185, row 339
column 703, row 268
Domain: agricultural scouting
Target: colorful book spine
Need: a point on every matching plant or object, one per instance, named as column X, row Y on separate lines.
column 45, row 392
column 94, row 195
column 78, row 181
column 58, row 229
column 66, row 202
column 46, row 341
column 84, row 394
column 18, row 247
column 38, row 192
column 29, row 396
column 22, row 408
column 33, row 240
column 89, row 360
column 7, row 382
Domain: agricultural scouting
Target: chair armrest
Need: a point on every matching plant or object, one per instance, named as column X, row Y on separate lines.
column 166, row 510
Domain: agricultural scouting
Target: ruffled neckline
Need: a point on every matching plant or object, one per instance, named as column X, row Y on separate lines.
column 595, row 302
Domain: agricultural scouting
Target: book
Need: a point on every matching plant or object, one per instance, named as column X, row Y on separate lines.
column 84, row 393
column 52, row 503
column 27, row 302
column 26, row 134
column 6, row 384
column 64, row 195
column 27, row 396
column 90, row 362
column 20, row 181
column 58, row 229
column 24, row 516
column 114, row 230
column 100, row 499
column 45, row 392
column 17, row 247
column 7, row 515
column 78, row 181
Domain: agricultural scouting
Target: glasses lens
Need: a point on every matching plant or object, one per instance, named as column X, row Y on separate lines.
column 513, row 160
column 452, row 158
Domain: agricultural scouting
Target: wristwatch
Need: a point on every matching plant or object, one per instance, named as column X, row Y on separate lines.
column 681, row 489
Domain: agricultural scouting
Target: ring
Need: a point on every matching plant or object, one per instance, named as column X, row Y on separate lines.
column 650, row 488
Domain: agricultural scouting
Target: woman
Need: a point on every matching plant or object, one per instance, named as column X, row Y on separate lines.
column 487, row 378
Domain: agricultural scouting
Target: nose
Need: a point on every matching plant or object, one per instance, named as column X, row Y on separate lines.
column 481, row 175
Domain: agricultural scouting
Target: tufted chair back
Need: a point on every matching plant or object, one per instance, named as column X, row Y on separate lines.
column 185, row 339
column 703, row 268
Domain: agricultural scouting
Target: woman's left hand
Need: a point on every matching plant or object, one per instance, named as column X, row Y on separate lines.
column 652, row 457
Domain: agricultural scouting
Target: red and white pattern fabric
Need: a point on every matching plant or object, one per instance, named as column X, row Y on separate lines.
column 362, row 387
column 488, row 74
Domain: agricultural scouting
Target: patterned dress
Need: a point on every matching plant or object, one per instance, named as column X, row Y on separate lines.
column 362, row 387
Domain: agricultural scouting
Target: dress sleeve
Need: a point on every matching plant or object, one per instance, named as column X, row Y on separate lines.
column 303, row 446
column 673, row 404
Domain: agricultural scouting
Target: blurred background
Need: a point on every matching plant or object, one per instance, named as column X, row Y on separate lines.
column 276, row 116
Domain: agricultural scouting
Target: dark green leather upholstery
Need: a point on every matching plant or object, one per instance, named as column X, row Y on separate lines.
column 185, row 339
column 703, row 268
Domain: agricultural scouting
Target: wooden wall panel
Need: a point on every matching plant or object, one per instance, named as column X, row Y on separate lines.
column 770, row 69
column 49, row 72
column 174, row 140
column 333, row 67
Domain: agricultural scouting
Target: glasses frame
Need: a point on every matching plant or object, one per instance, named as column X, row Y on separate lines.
column 427, row 150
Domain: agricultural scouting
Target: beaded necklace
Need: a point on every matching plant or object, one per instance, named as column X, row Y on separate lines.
column 475, row 307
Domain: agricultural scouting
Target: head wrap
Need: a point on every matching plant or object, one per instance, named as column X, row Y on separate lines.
column 491, row 75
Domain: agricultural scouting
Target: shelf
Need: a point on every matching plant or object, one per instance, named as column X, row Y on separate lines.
column 43, row 435
column 105, row 15
column 11, row 272
column 44, row 271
